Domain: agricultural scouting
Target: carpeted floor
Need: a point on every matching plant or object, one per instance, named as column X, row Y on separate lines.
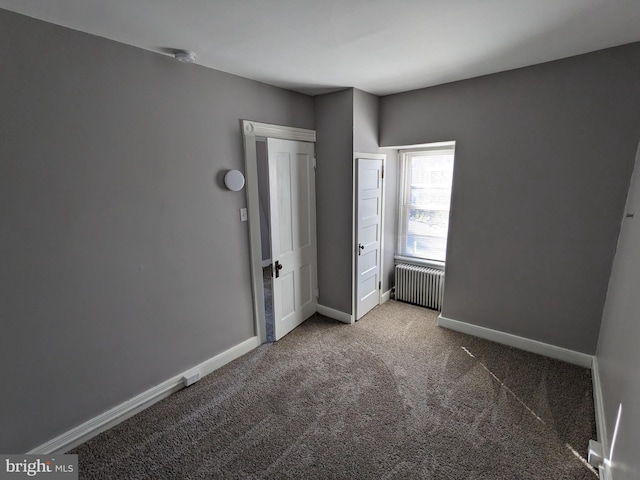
column 391, row 397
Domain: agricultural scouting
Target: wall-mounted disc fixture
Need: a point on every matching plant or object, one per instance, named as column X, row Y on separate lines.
column 185, row 56
column 234, row 180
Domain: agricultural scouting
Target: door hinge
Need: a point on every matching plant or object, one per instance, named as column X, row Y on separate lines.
column 315, row 162
column 383, row 171
column 317, row 294
column 379, row 285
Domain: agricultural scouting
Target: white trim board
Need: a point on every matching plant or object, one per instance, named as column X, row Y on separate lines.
column 335, row 314
column 258, row 129
column 252, row 132
column 420, row 146
column 386, row 296
column 104, row 421
column 598, row 403
column 534, row 346
column 402, row 260
column 601, row 424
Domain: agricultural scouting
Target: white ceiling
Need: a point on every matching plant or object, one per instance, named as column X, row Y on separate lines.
column 380, row 46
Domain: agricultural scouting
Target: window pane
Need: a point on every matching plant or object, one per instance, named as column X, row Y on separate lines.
column 427, row 233
column 427, row 195
column 431, row 248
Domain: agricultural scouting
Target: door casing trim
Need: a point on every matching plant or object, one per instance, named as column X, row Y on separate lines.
column 354, row 233
column 251, row 130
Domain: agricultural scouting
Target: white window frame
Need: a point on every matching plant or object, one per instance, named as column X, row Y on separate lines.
column 402, row 202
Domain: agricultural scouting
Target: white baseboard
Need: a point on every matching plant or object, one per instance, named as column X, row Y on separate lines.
column 601, row 426
column 335, row 314
column 386, row 296
column 110, row 418
column 534, row 346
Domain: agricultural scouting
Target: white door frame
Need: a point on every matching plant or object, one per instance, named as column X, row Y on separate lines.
column 354, row 233
column 251, row 130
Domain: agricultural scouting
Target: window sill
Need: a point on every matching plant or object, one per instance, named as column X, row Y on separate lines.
column 419, row 261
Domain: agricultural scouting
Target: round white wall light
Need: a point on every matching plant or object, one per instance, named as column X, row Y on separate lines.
column 234, row 180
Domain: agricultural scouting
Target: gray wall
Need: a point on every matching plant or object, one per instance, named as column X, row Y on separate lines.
column 390, row 218
column 346, row 122
column 334, row 177
column 366, row 114
column 263, row 193
column 543, row 160
column 123, row 258
column 618, row 354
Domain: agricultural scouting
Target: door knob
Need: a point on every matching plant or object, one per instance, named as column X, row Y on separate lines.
column 360, row 248
column 278, row 268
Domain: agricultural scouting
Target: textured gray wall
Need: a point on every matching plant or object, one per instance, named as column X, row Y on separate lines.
column 618, row 353
column 334, row 177
column 543, row 160
column 346, row 122
column 391, row 217
column 366, row 114
column 263, row 193
column 123, row 258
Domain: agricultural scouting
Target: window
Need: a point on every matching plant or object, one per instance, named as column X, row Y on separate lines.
column 425, row 198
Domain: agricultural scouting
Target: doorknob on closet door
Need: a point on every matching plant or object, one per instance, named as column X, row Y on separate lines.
column 278, row 268
column 360, row 248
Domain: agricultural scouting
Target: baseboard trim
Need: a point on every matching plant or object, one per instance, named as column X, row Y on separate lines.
column 386, row 296
column 601, row 426
column 605, row 472
column 335, row 314
column 110, row 418
column 534, row 346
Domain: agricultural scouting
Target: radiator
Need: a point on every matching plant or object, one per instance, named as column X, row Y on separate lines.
column 420, row 285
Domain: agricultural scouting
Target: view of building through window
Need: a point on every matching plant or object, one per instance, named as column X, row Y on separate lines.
column 425, row 203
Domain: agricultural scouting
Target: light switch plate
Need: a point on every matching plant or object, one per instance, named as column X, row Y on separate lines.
column 243, row 214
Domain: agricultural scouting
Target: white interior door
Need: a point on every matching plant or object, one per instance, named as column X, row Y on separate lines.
column 293, row 232
column 369, row 181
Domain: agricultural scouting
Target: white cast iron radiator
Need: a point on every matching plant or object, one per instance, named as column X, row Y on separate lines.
column 420, row 285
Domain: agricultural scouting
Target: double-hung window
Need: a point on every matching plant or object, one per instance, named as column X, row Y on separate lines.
column 425, row 198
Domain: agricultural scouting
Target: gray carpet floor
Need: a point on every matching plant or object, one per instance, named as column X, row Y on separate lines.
column 391, row 397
